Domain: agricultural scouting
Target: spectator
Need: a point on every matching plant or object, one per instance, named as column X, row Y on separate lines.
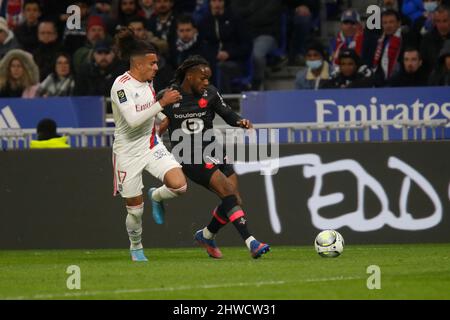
column 163, row 23
column 26, row 32
column 201, row 10
column 13, row 12
column 413, row 9
column 7, row 39
column 263, row 19
column 305, row 13
column 187, row 43
column 103, row 9
column 48, row 47
column 411, row 74
column 351, row 74
column 74, row 38
column 424, row 23
column 19, row 75
column 433, row 42
column 350, row 35
column 47, row 136
column 227, row 45
column 137, row 25
column 61, row 81
column 126, row 10
column 96, row 31
column 96, row 77
column 441, row 74
column 148, row 8
column 389, row 46
column 371, row 36
column 317, row 68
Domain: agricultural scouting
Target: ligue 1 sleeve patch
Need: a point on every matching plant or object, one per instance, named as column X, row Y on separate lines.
column 122, row 96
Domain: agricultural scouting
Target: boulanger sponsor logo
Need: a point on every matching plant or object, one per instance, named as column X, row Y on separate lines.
column 190, row 115
column 8, row 120
column 356, row 220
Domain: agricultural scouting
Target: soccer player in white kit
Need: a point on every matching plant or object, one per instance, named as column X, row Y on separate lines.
column 137, row 147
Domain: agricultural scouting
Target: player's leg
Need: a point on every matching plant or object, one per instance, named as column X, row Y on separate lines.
column 201, row 175
column 168, row 170
column 230, row 210
column 133, row 222
column 128, row 181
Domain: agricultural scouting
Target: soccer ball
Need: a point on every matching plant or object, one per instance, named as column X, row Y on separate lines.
column 329, row 244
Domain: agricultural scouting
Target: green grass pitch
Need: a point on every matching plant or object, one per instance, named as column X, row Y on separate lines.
column 407, row 272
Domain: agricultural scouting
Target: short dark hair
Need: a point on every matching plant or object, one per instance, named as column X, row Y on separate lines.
column 46, row 129
column 443, row 8
column 136, row 18
column 36, row 2
column 185, row 19
column 411, row 49
column 391, row 12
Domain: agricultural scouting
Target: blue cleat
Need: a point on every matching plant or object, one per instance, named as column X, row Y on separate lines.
column 257, row 249
column 157, row 208
column 209, row 244
column 138, row 255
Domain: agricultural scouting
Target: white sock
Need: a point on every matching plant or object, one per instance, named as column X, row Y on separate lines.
column 134, row 226
column 247, row 242
column 164, row 193
column 208, row 234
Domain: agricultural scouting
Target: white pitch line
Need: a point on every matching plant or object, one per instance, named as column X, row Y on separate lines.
column 181, row 288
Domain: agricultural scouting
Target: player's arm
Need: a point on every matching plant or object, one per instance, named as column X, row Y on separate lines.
column 123, row 98
column 164, row 124
column 230, row 117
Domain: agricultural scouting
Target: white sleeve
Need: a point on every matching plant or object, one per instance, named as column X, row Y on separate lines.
column 161, row 116
column 123, row 98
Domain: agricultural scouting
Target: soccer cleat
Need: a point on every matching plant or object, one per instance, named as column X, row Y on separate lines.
column 257, row 249
column 138, row 255
column 157, row 208
column 209, row 244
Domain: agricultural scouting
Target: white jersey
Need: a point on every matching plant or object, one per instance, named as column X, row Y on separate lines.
column 134, row 108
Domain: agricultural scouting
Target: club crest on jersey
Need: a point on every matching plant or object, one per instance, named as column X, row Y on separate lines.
column 122, row 96
column 202, row 103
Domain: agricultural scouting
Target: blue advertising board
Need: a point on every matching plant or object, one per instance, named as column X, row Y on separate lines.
column 330, row 105
column 68, row 112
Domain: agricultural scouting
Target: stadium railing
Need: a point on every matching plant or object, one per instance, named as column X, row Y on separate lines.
column 296, row 132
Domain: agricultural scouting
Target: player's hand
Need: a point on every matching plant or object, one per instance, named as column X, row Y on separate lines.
column 171, row 96
column 244, row 123
column 163, row 126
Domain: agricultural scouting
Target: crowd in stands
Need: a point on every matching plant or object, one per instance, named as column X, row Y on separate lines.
column 43, row 55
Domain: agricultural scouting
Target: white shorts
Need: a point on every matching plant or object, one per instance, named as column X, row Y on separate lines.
column 128, row 169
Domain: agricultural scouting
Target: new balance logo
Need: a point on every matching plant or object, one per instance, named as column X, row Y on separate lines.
column 8, row 120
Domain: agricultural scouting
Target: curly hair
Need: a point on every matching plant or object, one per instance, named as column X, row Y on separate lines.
column 190, row 62
column 31, row 70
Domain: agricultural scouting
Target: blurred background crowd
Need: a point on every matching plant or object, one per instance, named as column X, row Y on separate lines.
column 304, row 44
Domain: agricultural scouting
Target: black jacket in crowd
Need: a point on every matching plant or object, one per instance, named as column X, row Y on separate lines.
column 232, row 37
column 263, row 17
column 403, row 79
column 432, row 43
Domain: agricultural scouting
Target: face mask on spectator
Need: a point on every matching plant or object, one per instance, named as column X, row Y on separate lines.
column 430, row 6
column 314, row 64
